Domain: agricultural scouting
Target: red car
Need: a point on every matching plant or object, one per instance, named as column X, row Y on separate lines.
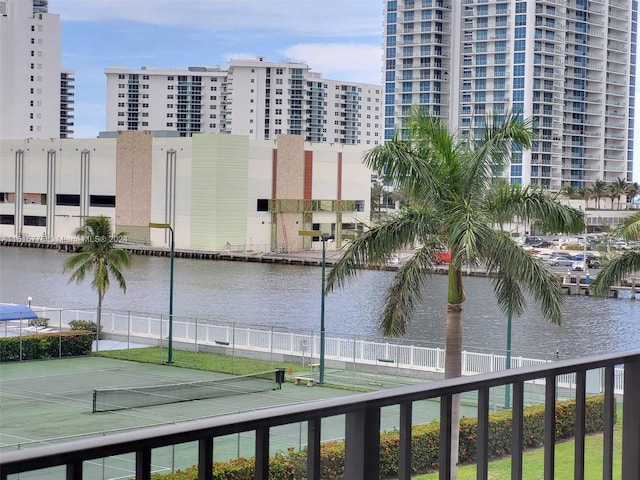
column 441, row 258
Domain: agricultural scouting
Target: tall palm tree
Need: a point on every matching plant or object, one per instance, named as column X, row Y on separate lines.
column 377, row 191
column 100, row 256
column 631, row 191
column 598, row 190
column 455, row 205
column 623, row 264
column 585, row 194
column 617, row 188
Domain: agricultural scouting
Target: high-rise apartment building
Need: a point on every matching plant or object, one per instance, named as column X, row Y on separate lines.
column 257, row 98
column 570, row 65
column 36, row 94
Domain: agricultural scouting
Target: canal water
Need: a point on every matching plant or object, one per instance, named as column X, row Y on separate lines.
column 289, row 297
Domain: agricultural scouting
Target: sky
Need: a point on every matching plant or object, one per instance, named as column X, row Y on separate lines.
column 342, row 39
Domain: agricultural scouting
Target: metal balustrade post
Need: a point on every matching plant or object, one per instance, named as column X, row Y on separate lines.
column 362, row 444
column 205, row 458
column 550, row 391
column 608, row 422
column 404, row 455
column 631, row 421
column 314, row 429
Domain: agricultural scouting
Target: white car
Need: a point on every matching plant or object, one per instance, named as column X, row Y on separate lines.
column 578, row 266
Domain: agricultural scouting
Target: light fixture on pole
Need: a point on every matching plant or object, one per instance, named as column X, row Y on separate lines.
column 324, row 237
column 166, row 226
column 29, row 300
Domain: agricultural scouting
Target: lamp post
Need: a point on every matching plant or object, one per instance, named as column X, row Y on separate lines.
column 29, row 300
column 166, row 226
column 507, row 387
column 324, row 237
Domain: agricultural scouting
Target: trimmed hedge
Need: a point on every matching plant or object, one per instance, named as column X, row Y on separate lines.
column 425, row 441
column 87, row 325
column 46, row 345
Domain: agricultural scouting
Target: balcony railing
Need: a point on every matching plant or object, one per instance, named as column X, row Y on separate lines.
column 362, row 426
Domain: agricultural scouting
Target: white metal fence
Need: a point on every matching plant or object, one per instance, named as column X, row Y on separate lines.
column 146, row 327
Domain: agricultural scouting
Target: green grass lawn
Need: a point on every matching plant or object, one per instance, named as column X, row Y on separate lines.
column 202, row 361
column 533, row 460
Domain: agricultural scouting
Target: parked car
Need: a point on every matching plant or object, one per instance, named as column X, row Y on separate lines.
column 578, row 266
column 533, row 240
column 442, row 257
column 543, row 244
column 559, row 262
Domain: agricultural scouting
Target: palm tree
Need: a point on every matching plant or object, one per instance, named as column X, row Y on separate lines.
column 99, row 255
column 631, row 191
column 377, row 191
column 598, row 190
column 585, row 194
column 455, row 205
column 570, row 191
column 623, row 264
column 616, row 189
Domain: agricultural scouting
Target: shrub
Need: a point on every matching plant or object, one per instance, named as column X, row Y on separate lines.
column 425, row 441
column 86, row 325
column 48, row 345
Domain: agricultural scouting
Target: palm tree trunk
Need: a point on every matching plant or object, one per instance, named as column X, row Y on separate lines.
column 452, row 369
column 99, row 318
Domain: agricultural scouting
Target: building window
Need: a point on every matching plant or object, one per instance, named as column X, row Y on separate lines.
column 7, row 220
column 102, row 200
column 33, row 221
column 263, row 205
column 68, row 200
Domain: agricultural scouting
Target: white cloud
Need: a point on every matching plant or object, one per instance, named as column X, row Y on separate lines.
column 350, row 18
column 341, row 61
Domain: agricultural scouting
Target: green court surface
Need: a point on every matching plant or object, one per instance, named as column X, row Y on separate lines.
column 44, row 402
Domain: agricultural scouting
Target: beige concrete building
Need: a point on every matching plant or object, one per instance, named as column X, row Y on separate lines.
column 217, row 191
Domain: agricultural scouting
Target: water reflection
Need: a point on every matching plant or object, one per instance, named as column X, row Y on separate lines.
column 289, row 297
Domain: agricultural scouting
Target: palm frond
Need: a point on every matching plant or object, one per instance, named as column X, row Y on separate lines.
column 535, row 204
column 404, row 293
column 376, row 244
column 517, row 272
column 630, row 229
column 615, row 271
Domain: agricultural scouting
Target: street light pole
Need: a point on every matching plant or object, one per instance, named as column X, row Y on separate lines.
column 324, row 238
column 172, row 255
column 507, row 387
column 29, row 300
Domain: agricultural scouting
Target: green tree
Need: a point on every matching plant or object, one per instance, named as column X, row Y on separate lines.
column 377, row 192
column 598, row 190
column 571, row 191
column 616, row 189
column 585, row 194
column 99, row 255
column 631, row 191
column 455, row 205
column 623, row 264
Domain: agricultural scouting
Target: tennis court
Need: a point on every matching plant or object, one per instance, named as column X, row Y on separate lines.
column 43, row 402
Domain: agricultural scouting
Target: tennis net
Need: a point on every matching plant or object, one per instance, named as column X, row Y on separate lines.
column 122, row 398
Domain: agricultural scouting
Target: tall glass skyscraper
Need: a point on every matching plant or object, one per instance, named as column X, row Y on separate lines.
column 568, row 64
